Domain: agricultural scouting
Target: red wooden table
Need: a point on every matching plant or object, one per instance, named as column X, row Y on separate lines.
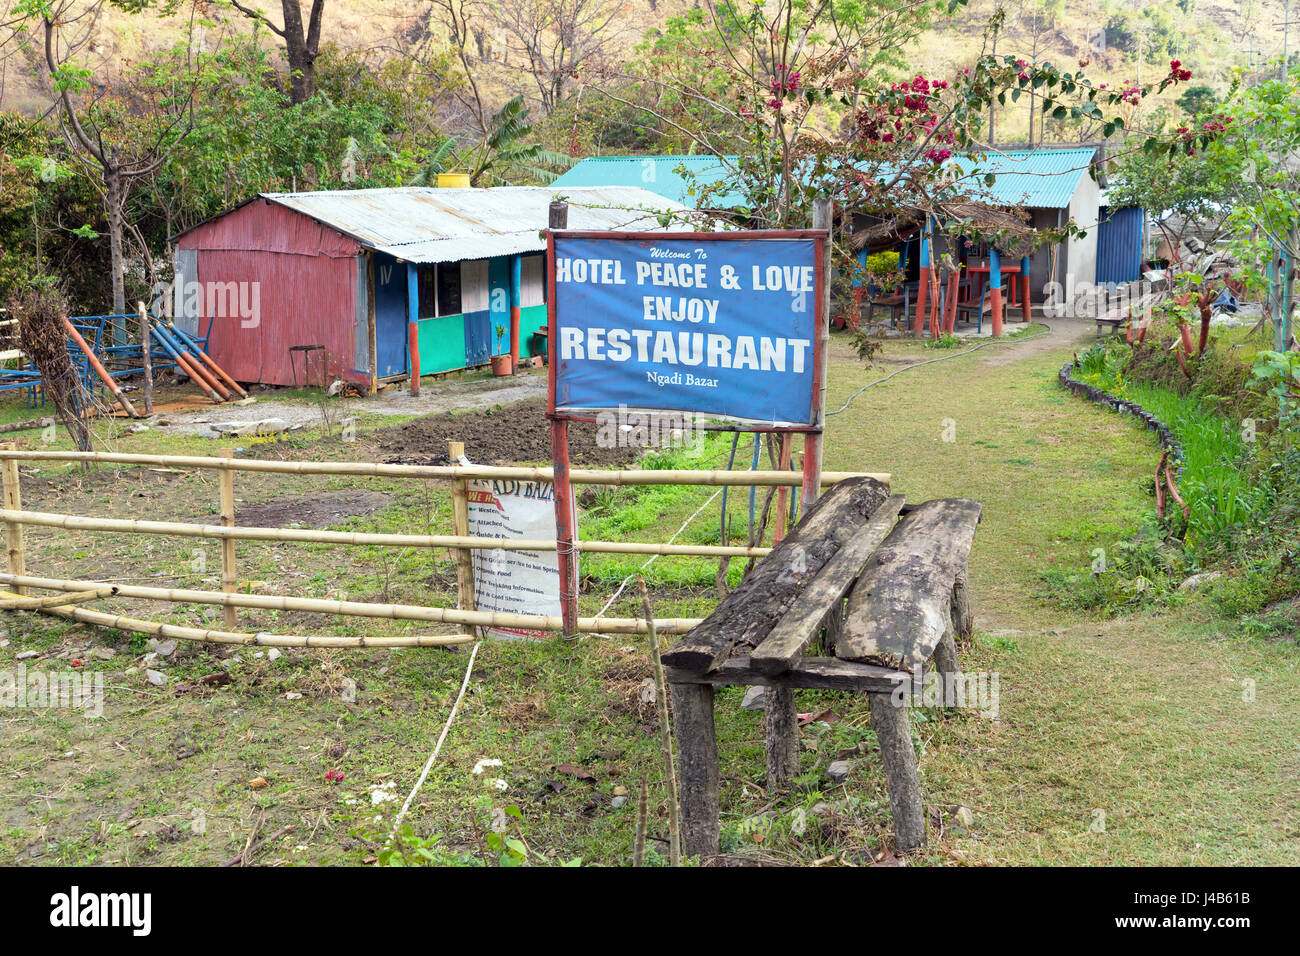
column 979, row 272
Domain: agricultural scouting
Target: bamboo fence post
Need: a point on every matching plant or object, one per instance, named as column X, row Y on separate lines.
column 782, row 493
column 229, row 578
column 146, row 359
column 13, row 529
column 460, row 518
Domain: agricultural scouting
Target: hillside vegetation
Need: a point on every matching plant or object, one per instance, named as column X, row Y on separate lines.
column 1213, row 37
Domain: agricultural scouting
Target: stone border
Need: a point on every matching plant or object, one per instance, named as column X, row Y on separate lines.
column 1092, row 393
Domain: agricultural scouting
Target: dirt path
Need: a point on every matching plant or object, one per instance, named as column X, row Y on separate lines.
column 1145, row 739
column 435, row 398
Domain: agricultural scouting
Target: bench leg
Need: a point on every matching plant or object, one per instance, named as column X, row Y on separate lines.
column 945, row 655
column 697, row 767
column 894, row 732
column 963, row 618
column 782, row 724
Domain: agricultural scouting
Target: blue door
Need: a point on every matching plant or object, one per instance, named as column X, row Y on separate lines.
column 478, row 338
column 1119, row 245
column 390, row 316
column 474, row 304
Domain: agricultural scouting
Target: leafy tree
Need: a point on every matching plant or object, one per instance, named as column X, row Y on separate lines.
column 1198, row 194
column 118, row 136
column 1196, row 100
column 794, row 100
column 1258, row 133
column 45, row 209
column 302, row 41
column 500, row 157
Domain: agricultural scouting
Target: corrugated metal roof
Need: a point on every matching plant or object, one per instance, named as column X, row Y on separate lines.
column 1040, row 178
column 1044, row 178
column 425, row 224
column 659, row 174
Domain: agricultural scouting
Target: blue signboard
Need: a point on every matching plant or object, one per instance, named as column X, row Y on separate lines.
column 716, row 327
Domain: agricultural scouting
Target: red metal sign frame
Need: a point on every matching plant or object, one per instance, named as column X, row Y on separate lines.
column 565, row 516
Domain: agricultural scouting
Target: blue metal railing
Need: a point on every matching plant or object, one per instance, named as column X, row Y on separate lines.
column 118, row 360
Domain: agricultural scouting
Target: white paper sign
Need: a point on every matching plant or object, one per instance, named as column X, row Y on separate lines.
column 514, row 582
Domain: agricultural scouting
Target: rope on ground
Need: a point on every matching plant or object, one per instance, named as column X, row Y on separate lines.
column 941, row 358
column 428, row 764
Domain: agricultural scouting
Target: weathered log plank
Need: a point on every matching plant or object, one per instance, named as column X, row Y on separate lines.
column 817, row 673
column 748, row 614
column 901, row 606
column 786, row 642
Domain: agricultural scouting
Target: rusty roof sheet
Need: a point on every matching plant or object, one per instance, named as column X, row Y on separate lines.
column 426, row 224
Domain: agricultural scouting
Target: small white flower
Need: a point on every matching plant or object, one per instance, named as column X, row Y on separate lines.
column 383, row 794
column 484, row 764
column 499, row 784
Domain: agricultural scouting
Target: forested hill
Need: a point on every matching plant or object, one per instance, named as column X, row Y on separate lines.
column 1113, row 37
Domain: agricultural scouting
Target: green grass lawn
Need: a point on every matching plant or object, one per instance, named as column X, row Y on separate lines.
column 1149, row 738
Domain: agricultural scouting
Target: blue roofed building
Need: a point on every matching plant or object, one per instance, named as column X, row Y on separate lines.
column 671, row 176
column 1052, row 185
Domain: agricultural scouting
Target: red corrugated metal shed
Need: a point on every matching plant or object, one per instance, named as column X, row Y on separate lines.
column 306, row 275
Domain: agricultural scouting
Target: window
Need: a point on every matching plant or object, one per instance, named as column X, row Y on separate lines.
column 449, row 288
column 532, row 287
column 439, row 290
column 427, row 288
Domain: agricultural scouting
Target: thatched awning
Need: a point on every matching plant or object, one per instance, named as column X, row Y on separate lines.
column 1019, row 238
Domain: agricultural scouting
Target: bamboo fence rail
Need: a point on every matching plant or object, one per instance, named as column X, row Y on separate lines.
column 399, row 612
column 368, row 538
column 577, row 476
column 177, row 631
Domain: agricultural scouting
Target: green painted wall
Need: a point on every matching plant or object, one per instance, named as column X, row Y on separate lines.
column 531, row 318
column 442, row 344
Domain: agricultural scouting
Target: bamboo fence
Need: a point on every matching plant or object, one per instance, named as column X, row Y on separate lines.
column 14, row 518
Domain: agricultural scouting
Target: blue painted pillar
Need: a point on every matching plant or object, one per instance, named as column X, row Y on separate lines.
column 995, row 289
column 413, row 325
column 516, row 282
column 1024, row 287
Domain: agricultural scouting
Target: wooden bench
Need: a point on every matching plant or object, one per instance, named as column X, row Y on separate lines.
column 1111, row 323
column 884, row 586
